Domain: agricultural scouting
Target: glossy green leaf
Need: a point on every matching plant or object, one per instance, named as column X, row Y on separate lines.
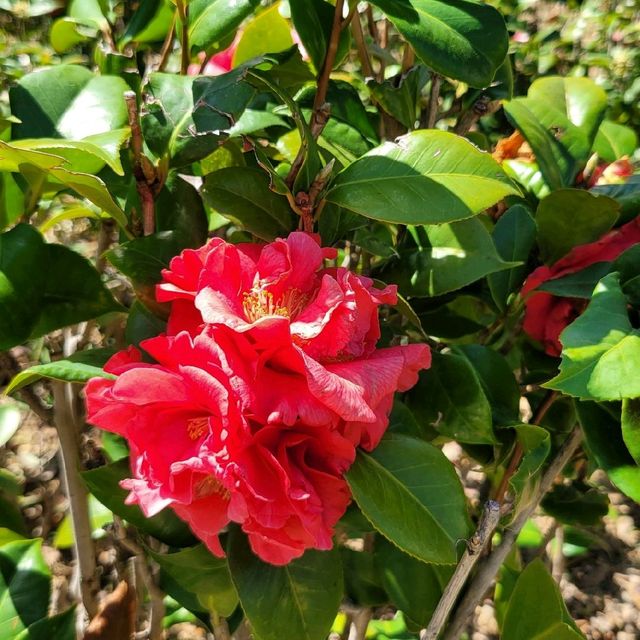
column 10, row 419
column 150, row 23
column 600, row 349
column 103, row 483
column 570, row 217
column 400, row 95
column 627, row 195
column 211, row 21
column 559, row 119
column 605, row 444
column 627, row 264
column 67, row 101
column 460, row 39
column 576, row 503
column 452, row 256
column 497, row 380
column 61, row 627
column 424, row 177
column 613, row 141
column 67, row 33
column 411, row 494
column 298, row 600
column 88, row 10
column 631, row 426
column 527, row 174
column 266, row 32
column 242, row 194
column 450, row 398
column 142, row 324
column 536, row 609
column 514, row 236
column 580, row 284
column 362, row 581
column 536, row 445
column 24, row 586
column 414, row 587
column 200, row 573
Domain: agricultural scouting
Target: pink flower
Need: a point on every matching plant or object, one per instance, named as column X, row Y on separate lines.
column 547, row 315
column 196, row 447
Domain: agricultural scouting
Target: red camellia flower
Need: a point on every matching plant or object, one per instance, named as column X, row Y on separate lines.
column 547, row 315
column 267, row 382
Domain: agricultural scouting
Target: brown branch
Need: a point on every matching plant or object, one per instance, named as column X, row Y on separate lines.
column 143, row 170
column 329, row 58
column 481, row 107
column 486, row 526
column 491, row 565
column 167, row 45
column 361, row 47
column 434, row 95
column 518, row 452
column 67, row 427
column 185, row 53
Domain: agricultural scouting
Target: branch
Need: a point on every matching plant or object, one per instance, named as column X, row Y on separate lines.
column 220, row 627
column 518, row 452
column 481, row 107
column 330, row 57
column 143, row 170
column 486, row 526
column 167, row 45
column 185, row 54
column 434, row 95
column 491, row 565
column 67, row 427
column 363, row 54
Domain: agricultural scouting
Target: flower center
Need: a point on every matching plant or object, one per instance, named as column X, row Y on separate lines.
column 258, row 303
column 197, row 427
column 210, row 486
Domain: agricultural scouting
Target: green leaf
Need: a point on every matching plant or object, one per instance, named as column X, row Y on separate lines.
column 363, row 584
column 576, row 503
column 313, row 21
column 24, row 586
column 204, row 575
column 459, row 39
column 498, row 382
column 580, row 284
column 267, row 32
column 414, row 587
column 627, row 264
column 450, row 399
column 600, row 349
column 242, row 194
column 514, row 236
column 298, row 600
column 211, row 21
column 559, row 119
column 67, row 33
column 10, row 419
column 400, row 95
column 627, row 195
column 142, row 324
column 536, row 445
column 65, row 370
column 613, row 141
column 453, row 256
column 67, row 101
column 411, row 494
column 103, row 483
column 150, row 23
column 89, row 11
column 604, row 442
column 536, row 610
column 631, row 426
column 570, row 217
column 424, row 177
column 60, row 627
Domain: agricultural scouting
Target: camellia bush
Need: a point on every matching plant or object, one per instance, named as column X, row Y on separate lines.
column 281, row 274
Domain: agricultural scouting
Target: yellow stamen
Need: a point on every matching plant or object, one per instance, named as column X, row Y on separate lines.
column 258, row 303
column 209, row 486
column 197, row 427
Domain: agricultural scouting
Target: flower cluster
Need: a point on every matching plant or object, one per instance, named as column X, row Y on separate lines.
column 546, row 315
column 266, row 382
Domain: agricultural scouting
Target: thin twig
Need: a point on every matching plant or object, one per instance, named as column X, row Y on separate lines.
column 491, row 565
column 143, row 170
column 482, row 107
column 330, row 57
column 167, row 45
column 352, row 12
column 67, row 427
column 185, row 53
column 220, row 627
column 486, row 526
column 361, row 47
column 434, row 96
column 518, row 452
column 360, row 623
column 557, row 556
